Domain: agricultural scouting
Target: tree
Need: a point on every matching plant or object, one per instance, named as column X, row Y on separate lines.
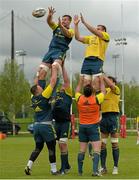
column 14, row 89
column 132, row 99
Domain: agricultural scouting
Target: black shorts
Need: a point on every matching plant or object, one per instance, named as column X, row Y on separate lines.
column 109, row 123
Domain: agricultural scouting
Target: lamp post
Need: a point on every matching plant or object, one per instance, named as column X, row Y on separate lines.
column 21, row 53
column 115, row 57
column 121, row 42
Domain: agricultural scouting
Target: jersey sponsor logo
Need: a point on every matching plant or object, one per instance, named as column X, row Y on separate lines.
column 37, row 109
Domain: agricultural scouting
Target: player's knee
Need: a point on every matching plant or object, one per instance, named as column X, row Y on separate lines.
column 51, row 146
column 63, row 144
column 104, row 143
column 87, row 79
column 37, row 151
column 96, row 76
column 44, row 68
column 57, row 65
column 96, row 153
column 114, row 142
column 63, row 140
column 95, row 82
column 39, row 147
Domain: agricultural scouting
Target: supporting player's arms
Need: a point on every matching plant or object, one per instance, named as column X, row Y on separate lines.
column 100, row 96
column 48, row 91
column 78, row 89
column 66, row 78
column 80, row 83
column 112, row 85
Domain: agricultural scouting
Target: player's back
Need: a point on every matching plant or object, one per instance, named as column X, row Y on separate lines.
column 88, row 110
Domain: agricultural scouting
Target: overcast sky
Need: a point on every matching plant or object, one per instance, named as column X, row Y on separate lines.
column 33, row 35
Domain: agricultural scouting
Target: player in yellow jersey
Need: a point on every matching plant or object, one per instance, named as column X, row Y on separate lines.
column 95, row 51
column 109, row 123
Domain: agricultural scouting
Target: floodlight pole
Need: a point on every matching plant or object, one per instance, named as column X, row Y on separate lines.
column 122, row 55
column 21, row 53
column 70, row 58
column 122, row 41
column 115, row 57
column 12, row 37
column 12, row 70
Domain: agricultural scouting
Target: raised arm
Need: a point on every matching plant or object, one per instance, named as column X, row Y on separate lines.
column 102, row 85
column 76, row 29
column 109, row 83
column 66, row 78
column 79, row 86
column 53, row 81
column 100, row 96
column 51, row 11
column 91, row 28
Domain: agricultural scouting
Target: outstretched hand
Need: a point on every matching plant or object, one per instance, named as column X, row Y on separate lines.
column 51, row 11
column 76, row 20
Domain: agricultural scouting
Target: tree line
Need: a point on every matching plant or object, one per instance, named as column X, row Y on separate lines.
column 15, row 92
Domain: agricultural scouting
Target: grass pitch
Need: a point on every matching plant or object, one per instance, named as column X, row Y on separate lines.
column 15, row 151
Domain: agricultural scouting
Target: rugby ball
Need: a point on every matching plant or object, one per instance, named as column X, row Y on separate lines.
column 39, row 12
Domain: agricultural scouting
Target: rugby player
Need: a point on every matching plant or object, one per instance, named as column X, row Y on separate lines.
column 43, row 130
column 97, row 42
column 61, row 114
column 62, row 36
column 109, row 123
column 89, row 116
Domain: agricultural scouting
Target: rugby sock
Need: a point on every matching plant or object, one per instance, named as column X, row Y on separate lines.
column 90, row 148
column 67, row 162
column 81, row 156
column 115, row 153
column 64, row 160
column 53, row 167
column 29, row 164
column 96, row 156
column 103, row 156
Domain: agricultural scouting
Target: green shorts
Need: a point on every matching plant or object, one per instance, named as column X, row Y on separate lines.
column 44, row 133
column 89, row 132
column 109, row 123
column 62, row 129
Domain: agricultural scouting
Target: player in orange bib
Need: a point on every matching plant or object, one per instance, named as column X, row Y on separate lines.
column 89, row 116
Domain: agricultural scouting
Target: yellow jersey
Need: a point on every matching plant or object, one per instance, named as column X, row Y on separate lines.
column 96, row 45
column 54, row 26
column 111, row 100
